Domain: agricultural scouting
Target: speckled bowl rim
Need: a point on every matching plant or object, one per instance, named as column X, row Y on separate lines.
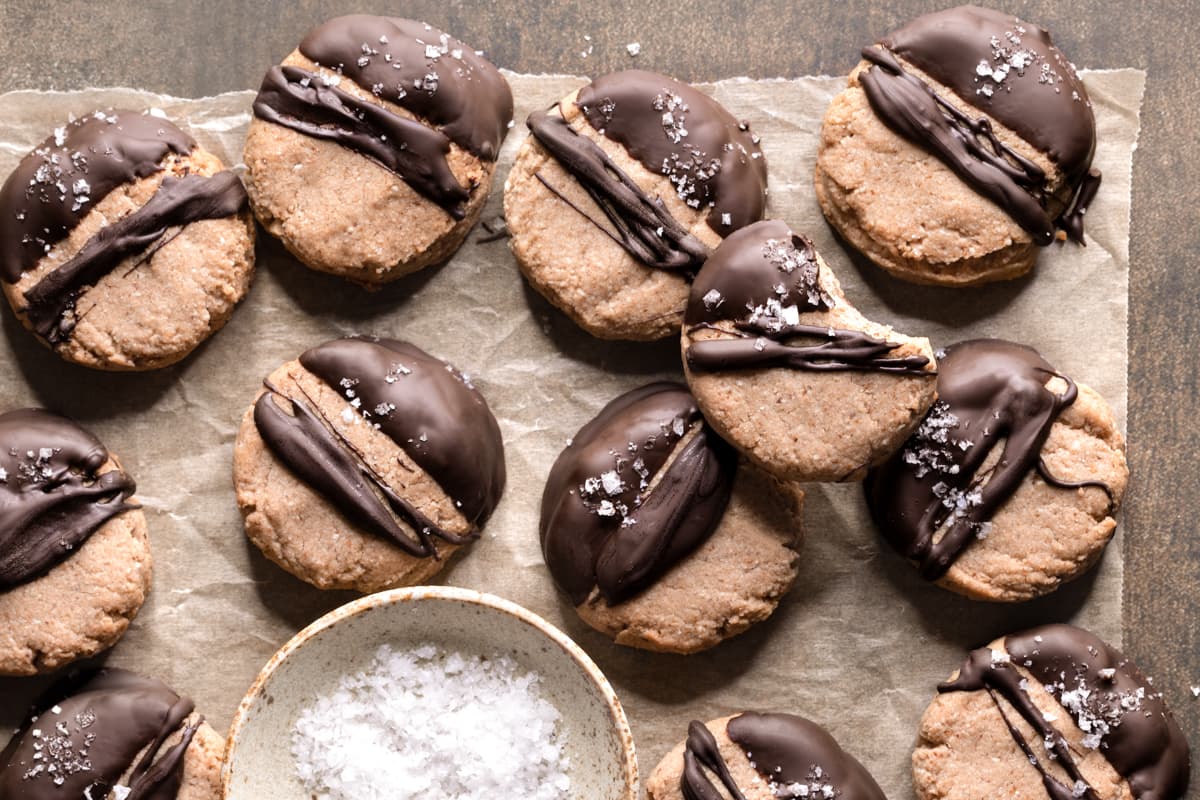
column 416, row 594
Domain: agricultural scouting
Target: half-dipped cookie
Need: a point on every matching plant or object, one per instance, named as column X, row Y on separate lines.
column 373, row 145
column 754, row 756
column 75, row 561
column 1008, row 487
column 619, row 194
column 109, row 734
column 1053, row 712
column 659, row 536
column 962, row 144
column 366, row 464
column 791, row 374
column 123, row 243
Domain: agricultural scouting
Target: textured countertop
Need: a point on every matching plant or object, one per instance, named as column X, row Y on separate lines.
column 196, row 49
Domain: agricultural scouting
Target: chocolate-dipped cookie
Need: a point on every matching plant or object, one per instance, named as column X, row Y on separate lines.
column 1053, row 712
column 366, row 464
column 760, row 757
column 75, row 561
column 787, row 371
column 657, row 534
column 1009, row 486
column 962, row 144
column 373, row 145
column 620, row 192
column 110, row 733
column 123, row 243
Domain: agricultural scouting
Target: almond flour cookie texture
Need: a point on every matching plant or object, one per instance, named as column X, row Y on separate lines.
column 619, row 194
column 373, row 145
column 787, row 371
column 659, row 536
column 1009, row 486
column 75, row 562
column 123, row 243
column 366, row 464
column 760, row 757
column 111, row 734
column 1050, row 712
column 962, row 142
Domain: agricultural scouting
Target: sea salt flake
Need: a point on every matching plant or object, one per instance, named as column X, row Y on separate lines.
column 633, row 48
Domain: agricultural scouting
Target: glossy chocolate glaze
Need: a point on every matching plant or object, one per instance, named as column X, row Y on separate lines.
column 761, row 279
column 1104, row 693
column 425, row 406
column 300, row 100
column 615, row 514
column 87, row 732
column 51, row 498
column 423, row 70
column 796, row 757
column 1009, row 69
column 989, row 392
column 179, row 201
column 711, row 159
column 65, row 176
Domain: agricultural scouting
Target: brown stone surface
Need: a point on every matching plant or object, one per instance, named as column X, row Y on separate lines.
column 220, row 45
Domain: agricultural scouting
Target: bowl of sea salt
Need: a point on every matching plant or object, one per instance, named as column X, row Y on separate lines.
column 430, row 692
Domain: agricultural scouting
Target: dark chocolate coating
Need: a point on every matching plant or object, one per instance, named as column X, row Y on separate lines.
column 1105, row 694
column 51, row 499
column 65, row 176
column 104, row 719
column 600, row 528
column 422, row 404
column 989, row 391
column 178, row 202
column 711, row 159
column 788, row 751
column 423, row 70
column 1009, row 69
column 299, row 100
column 761, row 279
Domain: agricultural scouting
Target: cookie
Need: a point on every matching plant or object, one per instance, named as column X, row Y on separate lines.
column 123, row 243
column 1050, row 712
column 366, row 464
column 75, row 561
column 659, row 537
column 619, row 194
column 787, row 371
column 1008, row 487
column 962, row 144
column 760, row 757
column 372, row 147
column 110, row 733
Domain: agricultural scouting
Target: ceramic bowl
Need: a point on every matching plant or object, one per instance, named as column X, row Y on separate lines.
column 259, row 763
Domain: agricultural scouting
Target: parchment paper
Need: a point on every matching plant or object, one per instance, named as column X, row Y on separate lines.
column 859, row 643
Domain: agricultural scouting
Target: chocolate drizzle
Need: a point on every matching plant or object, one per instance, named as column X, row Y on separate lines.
column 178, row 202
column 51, row 497
column 65, row 176
column 1009, row 69
column 760, row 280
column 86, row 733
column 1106, row 695
column 298, row 99
column 713, row 162
column 797, row 758
column 990, row 391
column 626, row 500
column 423, row 405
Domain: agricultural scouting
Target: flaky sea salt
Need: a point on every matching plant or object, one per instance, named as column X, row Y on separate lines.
column 424, row 722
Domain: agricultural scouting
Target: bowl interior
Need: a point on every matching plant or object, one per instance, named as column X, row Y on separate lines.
column 599, row 746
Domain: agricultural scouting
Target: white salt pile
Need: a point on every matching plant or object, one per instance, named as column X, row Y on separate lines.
column 426, row 723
